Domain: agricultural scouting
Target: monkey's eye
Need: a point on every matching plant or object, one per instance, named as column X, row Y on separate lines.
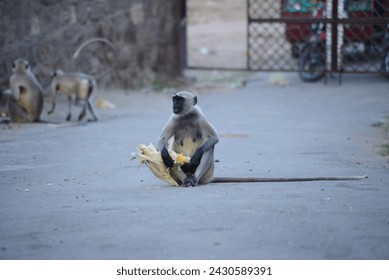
column 177, row 99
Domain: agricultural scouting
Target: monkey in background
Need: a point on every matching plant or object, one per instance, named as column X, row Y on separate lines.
column 25, row 101
column 79, row 85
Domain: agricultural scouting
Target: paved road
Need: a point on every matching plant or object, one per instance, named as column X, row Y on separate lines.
column 71, row 192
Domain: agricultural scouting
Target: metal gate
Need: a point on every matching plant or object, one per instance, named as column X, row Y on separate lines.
column 355, row 34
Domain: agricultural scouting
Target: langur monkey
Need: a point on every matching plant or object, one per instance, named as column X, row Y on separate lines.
column 25, row 103
column 79, row 85
column 194, row 136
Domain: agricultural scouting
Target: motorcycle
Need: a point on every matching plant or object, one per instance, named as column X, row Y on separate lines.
column 359, row 41
column 312, row 57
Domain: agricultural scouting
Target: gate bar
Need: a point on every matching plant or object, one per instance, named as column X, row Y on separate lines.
column 325, row 20
column 334, row 37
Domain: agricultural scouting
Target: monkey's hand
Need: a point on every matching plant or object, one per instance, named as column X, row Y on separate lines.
column 196, row 158
column 50, row 112
column 167, row 160
column 191, row 166
column 188, row 168
column 190, row 181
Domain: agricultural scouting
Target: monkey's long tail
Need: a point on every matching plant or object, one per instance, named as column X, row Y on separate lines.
column 103, row 40
column 270, row 180
column 79, row 49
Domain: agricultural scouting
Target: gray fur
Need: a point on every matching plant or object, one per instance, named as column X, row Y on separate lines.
column 79, row 85
column 192, row 134
column 26, row 101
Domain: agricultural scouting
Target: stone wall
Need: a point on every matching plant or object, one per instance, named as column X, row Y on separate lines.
column 146, row 34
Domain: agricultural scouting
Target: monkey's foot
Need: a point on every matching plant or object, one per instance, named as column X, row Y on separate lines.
column 190, row 181
column 68, row 118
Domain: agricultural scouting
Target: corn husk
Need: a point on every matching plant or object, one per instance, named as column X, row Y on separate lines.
column 151, row 157
column 104, row 104
column 278, row 79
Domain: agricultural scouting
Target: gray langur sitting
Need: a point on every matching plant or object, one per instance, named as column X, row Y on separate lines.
column 193, row 136
column 25, row 103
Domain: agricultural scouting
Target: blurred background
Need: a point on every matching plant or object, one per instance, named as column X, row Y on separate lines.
column 157, row 40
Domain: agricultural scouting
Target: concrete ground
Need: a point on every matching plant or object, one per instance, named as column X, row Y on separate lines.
column 72, row 192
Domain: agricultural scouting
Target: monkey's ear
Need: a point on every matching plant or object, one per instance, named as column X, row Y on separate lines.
column 195, row 100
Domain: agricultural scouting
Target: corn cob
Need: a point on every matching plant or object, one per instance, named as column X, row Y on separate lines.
column 151, row 157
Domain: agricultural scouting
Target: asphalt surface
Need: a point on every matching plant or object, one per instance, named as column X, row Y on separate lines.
column 72, row 192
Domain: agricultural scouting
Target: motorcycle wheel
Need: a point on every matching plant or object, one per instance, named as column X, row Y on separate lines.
column 385, row 64
column 311, row 65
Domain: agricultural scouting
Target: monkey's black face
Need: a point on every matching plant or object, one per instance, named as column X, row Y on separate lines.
column 178, row 104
